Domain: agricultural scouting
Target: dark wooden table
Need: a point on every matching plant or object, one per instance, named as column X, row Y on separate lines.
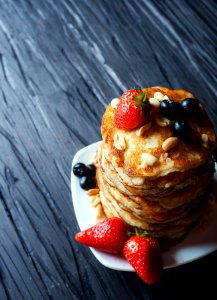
column 61, row 63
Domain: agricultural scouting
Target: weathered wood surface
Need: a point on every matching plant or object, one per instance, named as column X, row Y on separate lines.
column 61, row 62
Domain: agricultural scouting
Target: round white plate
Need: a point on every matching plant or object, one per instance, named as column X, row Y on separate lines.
column 197, row 244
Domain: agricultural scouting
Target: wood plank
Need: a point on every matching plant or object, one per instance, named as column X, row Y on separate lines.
column 61, row 63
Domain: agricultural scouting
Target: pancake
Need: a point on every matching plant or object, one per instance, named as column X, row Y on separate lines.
column 148, row 210
column 182, row 157
column 181, row 193
column 170, row 231
column 164, row 191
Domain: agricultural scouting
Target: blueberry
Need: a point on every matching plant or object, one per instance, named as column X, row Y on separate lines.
column 169, row 109
column 190, row 107
column 80, row 170
column 182, row 130
column 91, row 170
column 87, row 182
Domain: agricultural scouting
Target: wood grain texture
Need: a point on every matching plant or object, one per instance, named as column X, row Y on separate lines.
column 61, row 62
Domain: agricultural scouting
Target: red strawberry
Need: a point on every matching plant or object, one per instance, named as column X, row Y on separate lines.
column 131, row 110
column 108, row 235
column 144, row 255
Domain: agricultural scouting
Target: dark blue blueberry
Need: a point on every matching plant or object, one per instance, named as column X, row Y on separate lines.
column 80, row 170
column 182, row 130
column 169, row 109
column 87, row 182
column 91, row 170
column 190, row 107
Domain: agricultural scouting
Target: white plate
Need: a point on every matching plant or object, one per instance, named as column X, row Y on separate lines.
column 198, row 243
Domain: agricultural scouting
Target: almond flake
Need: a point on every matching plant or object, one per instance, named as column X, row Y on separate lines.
column 159, row 96
column 161, row 121
column 148, row 159
column 154, row 102
column 169, row 143
column 141, row 130
column 119, row 141
column 205, row 140
column 167, row 185
column 99, row 212
column 92, row 192
column 94, row 200
column 138, row 180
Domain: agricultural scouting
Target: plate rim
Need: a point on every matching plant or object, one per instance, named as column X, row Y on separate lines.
column 99, row 255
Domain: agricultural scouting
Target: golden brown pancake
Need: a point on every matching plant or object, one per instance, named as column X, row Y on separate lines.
column 164, row 192
column 183, row 157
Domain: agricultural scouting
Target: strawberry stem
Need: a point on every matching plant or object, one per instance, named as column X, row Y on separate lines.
column 142, row 100
column 138, row 232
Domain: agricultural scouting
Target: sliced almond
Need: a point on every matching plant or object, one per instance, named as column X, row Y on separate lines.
column 115, row 102
column 92, row 198
column 169, row 161
column 119, row 141
column 92, row 192
column 161, row 121
column 141, row 130
column 154, row 102
column 99, row 212
column 205, row 140
column 170, row 143
column 95, row 200
column 138, row 180
column 167, row 185
column 148, row 159
column 159, row 96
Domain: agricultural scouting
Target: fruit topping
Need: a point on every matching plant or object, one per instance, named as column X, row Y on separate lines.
column 132, row 110
column 87, row 182
column 91, row 170
column 179, row 113
column 182, row 130
column 86, row 174
column 108, row 235
column 113, row 235
column 135, row 110
column 190, row 107
column 80, row 169
column 169, row 109
column 144, row 254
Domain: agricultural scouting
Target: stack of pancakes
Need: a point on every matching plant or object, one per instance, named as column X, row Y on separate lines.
column 163, row 192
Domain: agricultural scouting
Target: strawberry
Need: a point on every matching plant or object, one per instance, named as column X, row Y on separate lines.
column 131, row 110
column 108, row 235
column 144, row 255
